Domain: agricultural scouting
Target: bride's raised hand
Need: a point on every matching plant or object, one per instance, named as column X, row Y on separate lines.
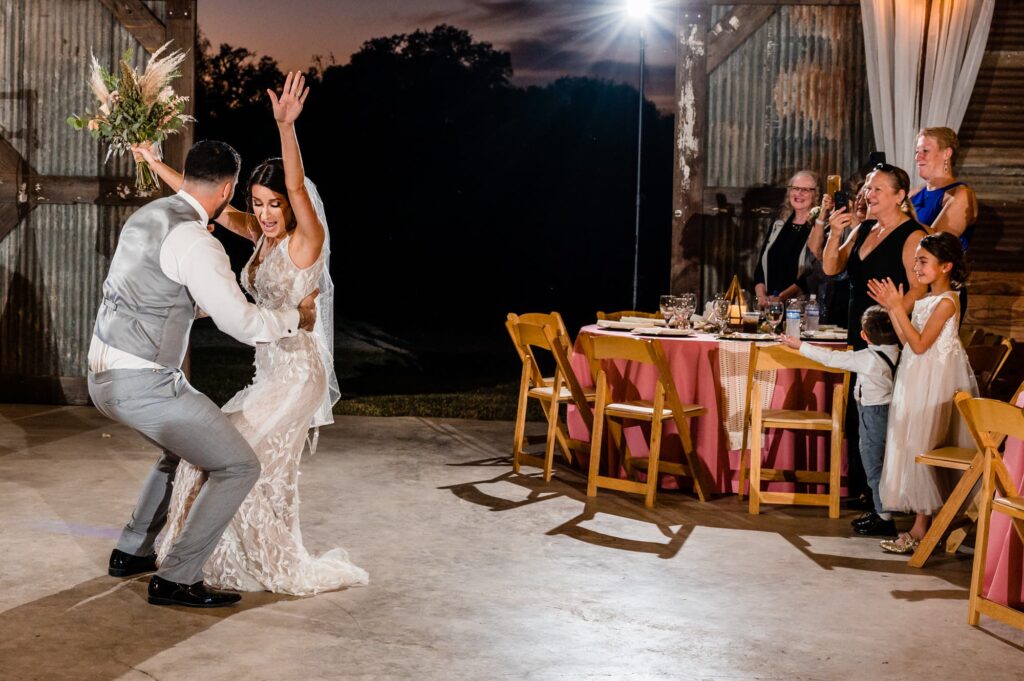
column 288, row 106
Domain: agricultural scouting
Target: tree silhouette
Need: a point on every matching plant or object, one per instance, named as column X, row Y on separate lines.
column 448, row 188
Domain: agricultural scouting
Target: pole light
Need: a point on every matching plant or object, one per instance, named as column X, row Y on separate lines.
column 637, row 10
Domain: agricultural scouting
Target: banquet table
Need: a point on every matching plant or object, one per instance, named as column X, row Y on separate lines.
column 696, row 364
column 1004, row 560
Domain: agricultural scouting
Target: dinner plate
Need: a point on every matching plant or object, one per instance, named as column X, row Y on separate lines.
column 839, row 334
column 618, row 325
column 749, row 337
column 642, row 321
column 662, row 331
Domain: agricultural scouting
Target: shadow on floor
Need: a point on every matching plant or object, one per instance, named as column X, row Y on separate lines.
column 100, row 629
column 677, row 514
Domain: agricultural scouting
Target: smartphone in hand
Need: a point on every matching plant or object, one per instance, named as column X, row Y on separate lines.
column 841, row 200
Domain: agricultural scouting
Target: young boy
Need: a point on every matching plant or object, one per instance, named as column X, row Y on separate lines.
column 875, row 368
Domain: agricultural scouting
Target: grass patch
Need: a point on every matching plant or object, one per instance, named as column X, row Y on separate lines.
column 468, row 386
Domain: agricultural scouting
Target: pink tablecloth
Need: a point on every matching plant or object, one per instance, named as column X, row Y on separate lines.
column 1004, row 574
column 695, row 370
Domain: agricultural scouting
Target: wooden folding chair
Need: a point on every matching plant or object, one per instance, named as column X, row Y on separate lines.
column 969, row 460
column 561, row 388
column 666, row 406
column 993, row 421
column 781, row 358
column 987, row 361
column 616, row 316
column 970, row 337
column 1009, row 374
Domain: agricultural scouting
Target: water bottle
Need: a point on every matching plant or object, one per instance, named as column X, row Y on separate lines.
column 793, row 318
column 813, row 312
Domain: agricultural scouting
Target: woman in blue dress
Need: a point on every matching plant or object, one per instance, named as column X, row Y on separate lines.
column 944, row 204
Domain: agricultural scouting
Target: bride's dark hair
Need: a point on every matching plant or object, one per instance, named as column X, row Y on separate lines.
column 269, row 174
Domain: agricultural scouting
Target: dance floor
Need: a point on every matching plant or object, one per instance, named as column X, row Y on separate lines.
column 475, row 573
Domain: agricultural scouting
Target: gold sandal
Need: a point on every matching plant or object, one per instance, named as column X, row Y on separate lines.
column 903, row 544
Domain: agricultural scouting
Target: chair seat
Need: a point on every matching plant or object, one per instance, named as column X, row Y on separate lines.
column 644, row 409
column 564, row 395
column 948, row 457
column 1011, row 506
column 796, row 418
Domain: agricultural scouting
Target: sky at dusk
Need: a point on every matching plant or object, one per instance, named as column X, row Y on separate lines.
column 546, row 38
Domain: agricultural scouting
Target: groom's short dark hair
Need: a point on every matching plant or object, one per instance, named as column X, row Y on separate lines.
column 212, row 161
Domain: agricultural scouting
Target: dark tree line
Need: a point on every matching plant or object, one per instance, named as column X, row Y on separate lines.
column 448, row 189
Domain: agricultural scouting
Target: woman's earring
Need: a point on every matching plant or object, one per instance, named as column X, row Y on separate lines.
column 945, row 166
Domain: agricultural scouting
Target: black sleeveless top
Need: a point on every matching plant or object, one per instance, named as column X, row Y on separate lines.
column 886, row 260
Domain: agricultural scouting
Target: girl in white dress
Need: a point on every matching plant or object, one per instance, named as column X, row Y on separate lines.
column 294, row 387
column 933, row 367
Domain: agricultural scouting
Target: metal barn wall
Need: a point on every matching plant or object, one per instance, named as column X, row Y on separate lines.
column 793, row 96
column 53, row 261
column 992, row 162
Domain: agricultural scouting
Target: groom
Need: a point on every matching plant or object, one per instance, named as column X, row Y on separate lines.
column 165, row 267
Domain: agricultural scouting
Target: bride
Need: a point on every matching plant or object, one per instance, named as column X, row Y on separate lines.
column 294, row 387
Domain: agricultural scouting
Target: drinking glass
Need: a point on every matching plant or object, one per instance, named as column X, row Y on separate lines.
column 667, row 304
column 686, row 304
column 720, row 305
column 776, row 311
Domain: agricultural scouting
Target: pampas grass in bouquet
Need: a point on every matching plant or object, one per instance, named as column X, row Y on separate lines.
column 134, row 108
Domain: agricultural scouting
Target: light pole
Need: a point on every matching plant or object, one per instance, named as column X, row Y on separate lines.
column 638, row 11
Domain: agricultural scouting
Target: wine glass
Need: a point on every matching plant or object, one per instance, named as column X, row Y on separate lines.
column 776, row 311
column 686, row 304
column 720, row 305
column 667, row 305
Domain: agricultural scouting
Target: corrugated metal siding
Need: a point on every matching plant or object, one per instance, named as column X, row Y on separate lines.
column 52, row 265
column 793, row 96
column 992, row 144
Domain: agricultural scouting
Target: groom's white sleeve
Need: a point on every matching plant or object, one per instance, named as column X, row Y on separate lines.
column 194, row 258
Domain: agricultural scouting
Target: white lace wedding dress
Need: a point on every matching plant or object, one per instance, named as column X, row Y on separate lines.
column 262, row 548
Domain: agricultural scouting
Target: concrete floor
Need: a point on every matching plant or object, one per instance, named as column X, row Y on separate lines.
column 475, row 574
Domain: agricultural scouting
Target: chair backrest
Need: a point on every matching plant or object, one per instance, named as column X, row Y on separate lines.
column 780, row 357
column 767, row 357
column 643, row 350
column 542, row 318
column 972, row 337
column 986, row 361
column 992, row 420
column 526, row 336
column 1010, row 373
column 616, row 316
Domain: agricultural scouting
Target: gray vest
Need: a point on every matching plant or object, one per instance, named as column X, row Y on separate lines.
column 143, row 312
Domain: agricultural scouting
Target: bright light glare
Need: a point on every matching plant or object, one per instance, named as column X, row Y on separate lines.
column 638, row 9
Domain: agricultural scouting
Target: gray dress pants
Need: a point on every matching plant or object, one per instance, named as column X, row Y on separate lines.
column 162, row 406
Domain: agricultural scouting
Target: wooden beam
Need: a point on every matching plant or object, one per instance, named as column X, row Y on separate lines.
column 139, row 20
column 181, row 29
column 65, row 189
column 733, row 30
column 688, row 169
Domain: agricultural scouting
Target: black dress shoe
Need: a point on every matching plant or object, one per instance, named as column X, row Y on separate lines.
column 166, row 592
column 125, row 564
column 876, row 527
column 870, row 516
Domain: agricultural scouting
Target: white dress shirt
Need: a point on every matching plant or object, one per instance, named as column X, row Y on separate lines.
column 874, row 377
column 194, row 258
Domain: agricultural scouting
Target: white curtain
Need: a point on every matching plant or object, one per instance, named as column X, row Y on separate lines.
column 918, row 79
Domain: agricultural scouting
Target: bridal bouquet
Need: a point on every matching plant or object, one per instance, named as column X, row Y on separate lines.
column 134, row 108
